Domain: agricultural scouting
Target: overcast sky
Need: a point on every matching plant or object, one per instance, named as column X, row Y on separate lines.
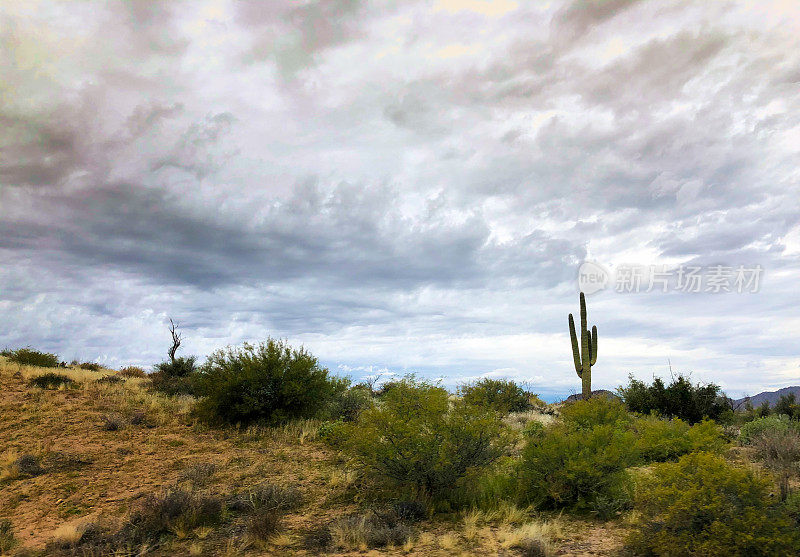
column 403, row 186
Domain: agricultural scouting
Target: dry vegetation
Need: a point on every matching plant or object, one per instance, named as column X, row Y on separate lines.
column 82, row 458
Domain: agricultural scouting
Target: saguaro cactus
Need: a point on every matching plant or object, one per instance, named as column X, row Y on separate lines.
column 584, row 355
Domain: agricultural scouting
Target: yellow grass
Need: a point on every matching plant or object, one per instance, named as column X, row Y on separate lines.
column 96, row 476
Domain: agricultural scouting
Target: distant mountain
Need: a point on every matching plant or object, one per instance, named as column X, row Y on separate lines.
column 771, row 396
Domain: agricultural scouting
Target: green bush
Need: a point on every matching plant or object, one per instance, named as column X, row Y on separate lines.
column 271, row 383
column 788, row 406
column 659, row 440
column 348, row 403
column 51, row 380
column 174, row 385
column 751, row 430
column 30, row 357
column 586, row 414
column 576, row 467
column 183, row 366
column 497, row 394
column 533, row 429
column 703, row 506
column 680, row 399
column 417, row 437
column 178, row 377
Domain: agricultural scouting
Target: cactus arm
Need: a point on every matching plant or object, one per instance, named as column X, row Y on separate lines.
column 583, row 314
column 593, row 359
column 576, row 355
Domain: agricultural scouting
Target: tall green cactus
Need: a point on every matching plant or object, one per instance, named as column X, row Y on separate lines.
column 585, row 356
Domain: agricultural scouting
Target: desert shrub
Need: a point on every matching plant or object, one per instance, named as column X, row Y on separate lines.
column 271, row 383
column 348, row 403
column 168, row 512
column 318, row 538
column 534, row 547
column 28, row 465
column 198, row 474
column 791, row 508
column 499, row 395
column 573, row 466
column 179, row 367
column 751, row 430
column 112, row 422
column 267, row 497
column 659, row 440
column 367, row 531
column 132, row 371
column 176, row 377
column 788, row 406
column 7, row 538
column 90, row 366
column 586, row 414
column 174, row 385
column 680, row 399
column 701, row 505
column 780, row 451
column 533, row 429
column 139, row 417
column 264, row 524
column 88, row 539
column 410, row 511
column 51, row 380
column 387, row 387
column 333, row 433
column 31, row 357
column 417, row 437
column 109, row 380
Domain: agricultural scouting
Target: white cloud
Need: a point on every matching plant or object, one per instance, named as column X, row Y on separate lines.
column 405, row 187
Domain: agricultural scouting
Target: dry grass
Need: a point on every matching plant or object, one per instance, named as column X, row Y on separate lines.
column 93, row 476
column 542, row 533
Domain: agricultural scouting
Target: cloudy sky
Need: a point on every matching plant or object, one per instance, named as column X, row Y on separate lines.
column 404, row 186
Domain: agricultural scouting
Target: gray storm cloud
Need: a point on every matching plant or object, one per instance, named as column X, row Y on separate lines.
column 406, row 186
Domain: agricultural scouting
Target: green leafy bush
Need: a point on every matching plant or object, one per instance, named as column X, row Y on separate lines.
column 270, row 383
column 51, row 380
column 586, row 414
column 417, row 437
column 787, row 405
column 571, row 466
column 659, row 440
column 178, row 377
column 532, row 429
column 680, row 399
column 348, row 403
column 703, row 506
column 751, row 430
column 31, row 357
column 182, row 366
column 499, row 395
